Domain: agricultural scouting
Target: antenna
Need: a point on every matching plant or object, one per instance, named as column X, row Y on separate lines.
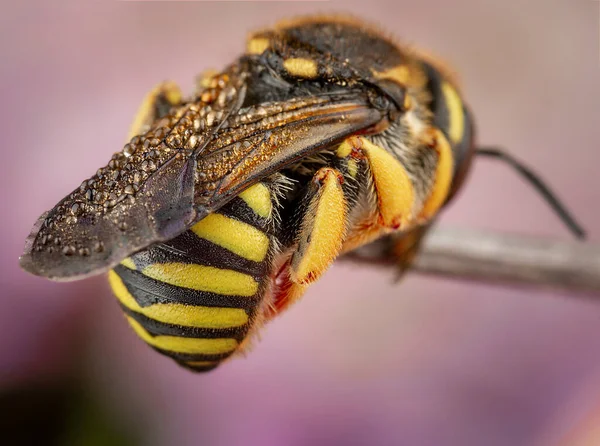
column 539, row 185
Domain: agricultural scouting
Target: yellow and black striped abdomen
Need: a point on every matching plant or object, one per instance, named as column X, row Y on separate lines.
column 195, row 298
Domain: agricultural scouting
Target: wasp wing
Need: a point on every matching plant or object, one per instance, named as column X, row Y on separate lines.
column 63, row 246
column 144, row 195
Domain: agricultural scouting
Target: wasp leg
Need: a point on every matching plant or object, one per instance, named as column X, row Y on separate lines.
column 322, row 228
column 318, row 229
column 393, row 187
column 399, row 249
column 205, row 80
column 319, row 225
column 155, row 105
column 404, row 247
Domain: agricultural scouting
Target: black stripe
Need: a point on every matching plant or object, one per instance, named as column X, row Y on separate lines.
column 156, row 328
column 184, row 357
column 239, row 210
column 190, row 249
column 199, row 369
column 147, row 291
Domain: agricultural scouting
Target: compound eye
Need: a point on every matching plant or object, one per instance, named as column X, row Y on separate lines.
column 380, row 102
column 395, row 93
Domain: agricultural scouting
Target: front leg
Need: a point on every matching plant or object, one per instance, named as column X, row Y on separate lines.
column 155, row 105
column 391, row 183
column 322, row 228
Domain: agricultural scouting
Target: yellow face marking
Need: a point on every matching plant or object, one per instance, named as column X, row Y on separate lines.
column 203, row 278
column 257, row 45
column 301, row 67
column 145, row 114
column 455, row 112
column 258, row 198
column 395, row 192
column 178, row 314
column 443, row 176
column 128, row 263
column 400, row 74
column 189, row 346
column 325, row 225
column 238, row 237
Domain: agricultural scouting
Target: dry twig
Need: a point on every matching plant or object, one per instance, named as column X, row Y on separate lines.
column 504, row 258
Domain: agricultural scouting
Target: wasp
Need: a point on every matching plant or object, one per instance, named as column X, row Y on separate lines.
column 223, row 207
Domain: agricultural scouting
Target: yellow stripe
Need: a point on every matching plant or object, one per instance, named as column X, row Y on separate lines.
column 258, row 45
column 203, row 278
column 128, row 263
column 301, row 67
column 189, row 346
column 258, row 198
column 455, row 112
column 178, row 314
column 238, row 237
column 443, row 177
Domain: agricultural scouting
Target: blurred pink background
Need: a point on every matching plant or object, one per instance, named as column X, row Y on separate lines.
column 360, row 360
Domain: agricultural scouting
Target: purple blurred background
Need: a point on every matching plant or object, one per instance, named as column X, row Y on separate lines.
column 360, row 360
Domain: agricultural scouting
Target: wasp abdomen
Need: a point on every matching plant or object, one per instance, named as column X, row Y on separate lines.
column 196, row 297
